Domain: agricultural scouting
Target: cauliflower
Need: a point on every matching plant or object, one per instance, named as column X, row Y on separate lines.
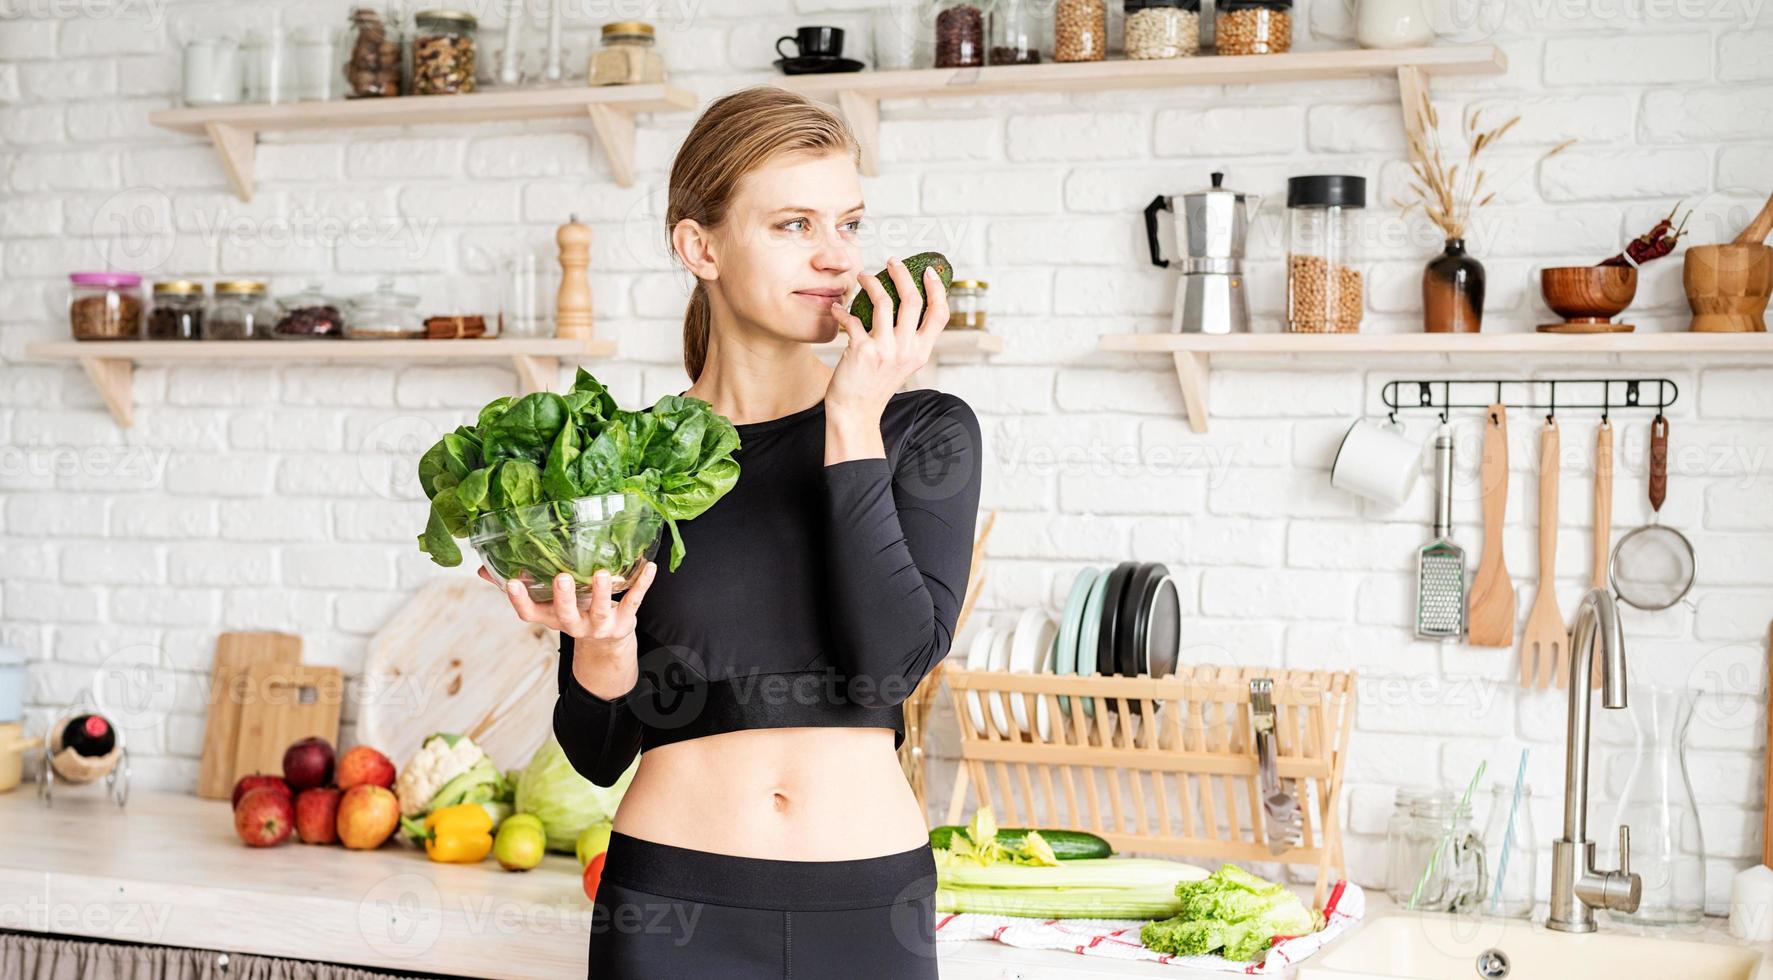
column 440, row 759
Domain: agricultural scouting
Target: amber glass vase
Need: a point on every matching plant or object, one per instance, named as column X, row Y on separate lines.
column 1453, row 291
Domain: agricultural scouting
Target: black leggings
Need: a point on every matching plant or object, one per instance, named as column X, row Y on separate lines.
column 664, row 911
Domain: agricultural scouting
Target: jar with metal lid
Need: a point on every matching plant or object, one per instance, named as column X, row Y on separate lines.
column 383, row 313
column 1324, row 293
column 443, row 52
column 310, row 314
column 960, row 33
column 105, row 305
column 1253, row 27
column 314, row 54
column 178, row 310
column 1080, row 30
column 966, row 304
column 627, row 56
column 265, row 62
column 211, row 71
column 1013, row 32
column 240, row 311
column 1161, row 28
column 372, row 55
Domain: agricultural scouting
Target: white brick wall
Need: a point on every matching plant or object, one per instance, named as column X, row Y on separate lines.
column 248, row 497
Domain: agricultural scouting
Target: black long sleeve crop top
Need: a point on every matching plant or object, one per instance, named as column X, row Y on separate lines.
column 809, row 595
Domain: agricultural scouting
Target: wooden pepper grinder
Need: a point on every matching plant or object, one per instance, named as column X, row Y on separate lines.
column 572, row 305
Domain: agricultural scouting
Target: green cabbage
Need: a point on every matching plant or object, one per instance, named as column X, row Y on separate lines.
column 1231, row 912
column 566, row 802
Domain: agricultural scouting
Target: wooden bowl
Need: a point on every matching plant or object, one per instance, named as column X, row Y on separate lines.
column 1728, row 286
column 1588, row 296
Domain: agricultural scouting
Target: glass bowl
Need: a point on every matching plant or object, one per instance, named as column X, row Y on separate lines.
column 615, row 532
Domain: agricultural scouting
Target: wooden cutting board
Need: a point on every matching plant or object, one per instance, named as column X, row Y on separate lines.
column 283, row 703
column 235, row 653
column 457, row 659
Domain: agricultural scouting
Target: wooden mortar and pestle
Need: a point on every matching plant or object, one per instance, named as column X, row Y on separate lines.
column 1728, row 285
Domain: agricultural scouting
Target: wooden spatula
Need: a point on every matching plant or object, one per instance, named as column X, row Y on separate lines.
column 1490, row 619
column 1603, row 524
column 1544, row 643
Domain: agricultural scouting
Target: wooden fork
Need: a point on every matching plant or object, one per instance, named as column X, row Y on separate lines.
column 1544, row 644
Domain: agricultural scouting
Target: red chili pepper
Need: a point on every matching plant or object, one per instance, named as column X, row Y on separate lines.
column 1654, row 244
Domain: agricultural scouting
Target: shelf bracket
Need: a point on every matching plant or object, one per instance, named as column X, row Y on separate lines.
column 236, row 147
column 1191, row 373
column 615, row 133
column 535, row 373
column 115, row 381
column 862, row 112
column 1411, row 88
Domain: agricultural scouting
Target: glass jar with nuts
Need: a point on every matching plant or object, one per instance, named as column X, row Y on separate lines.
column 1253, row 27
column 1162, row 28
column 1324, row 290
column 960, row 33
column 1080, row 30
column 443, row 50
column 105, row 305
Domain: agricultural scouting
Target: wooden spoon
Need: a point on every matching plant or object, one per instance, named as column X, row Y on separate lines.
column 1490, row 616
column 1545, row 643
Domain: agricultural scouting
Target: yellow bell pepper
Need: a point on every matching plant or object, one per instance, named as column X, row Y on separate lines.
column 460, row 834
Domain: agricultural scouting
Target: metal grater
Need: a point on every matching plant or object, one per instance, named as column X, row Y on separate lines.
column 1440, row 565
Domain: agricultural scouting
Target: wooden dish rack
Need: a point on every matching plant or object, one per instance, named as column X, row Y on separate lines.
column 1179, row 777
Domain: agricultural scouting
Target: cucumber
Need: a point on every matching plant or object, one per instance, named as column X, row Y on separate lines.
column 862, row 307
column 1067, row 845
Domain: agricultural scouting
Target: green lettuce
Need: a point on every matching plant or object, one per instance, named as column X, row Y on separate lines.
column 566, row 802
column 1230, row 912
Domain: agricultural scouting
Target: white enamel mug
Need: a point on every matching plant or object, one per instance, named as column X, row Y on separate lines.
column 1377, row 461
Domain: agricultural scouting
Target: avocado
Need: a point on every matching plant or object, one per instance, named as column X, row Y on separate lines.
column 862, row 307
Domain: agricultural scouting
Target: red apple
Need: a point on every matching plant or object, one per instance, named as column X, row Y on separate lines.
column 317, row 815
column 254, row 781
column 308, row 763
column 361, row 764
column 368, row 815
column 263, row 817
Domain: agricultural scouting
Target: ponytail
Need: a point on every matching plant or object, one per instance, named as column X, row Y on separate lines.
column 695, row 332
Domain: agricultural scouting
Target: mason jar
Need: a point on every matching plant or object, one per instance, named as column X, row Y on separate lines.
column 1154, row 29
column 966, row 304
column 178, row 310
column 240, row 311
column 443, row 52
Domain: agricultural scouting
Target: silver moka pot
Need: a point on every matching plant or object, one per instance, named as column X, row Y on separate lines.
column 1211, row 226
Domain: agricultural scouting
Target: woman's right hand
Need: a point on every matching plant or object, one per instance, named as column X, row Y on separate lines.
column 604, row 623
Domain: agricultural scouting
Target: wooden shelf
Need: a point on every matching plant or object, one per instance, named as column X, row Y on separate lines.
column 111, row 363
column 1193, row 352
column 858, row 94
column 234, row 129
column 952, row 345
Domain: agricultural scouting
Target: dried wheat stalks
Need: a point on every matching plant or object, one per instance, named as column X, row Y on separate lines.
column 1449, row 193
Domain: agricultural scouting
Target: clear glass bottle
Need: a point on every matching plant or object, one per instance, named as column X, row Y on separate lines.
column 966, row 304
column 1080, row 30
column 1324, row 287
column 627, row 56
column 1161, row 29
column 211, row 71
column 1013, row 33
column 265, row 64
column 443, row 52
column 899, row 39
column 1519, row 847
column 178, row 310
column 1443, row 868
column 383, row 313
column 314, row 53
column 1667, row 849
column 371, row 55
column 960, row 33
column 105, row 305
column 240, row 311
column 1253, row 27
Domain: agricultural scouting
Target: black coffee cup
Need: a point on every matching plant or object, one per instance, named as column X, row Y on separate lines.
column 814, row 42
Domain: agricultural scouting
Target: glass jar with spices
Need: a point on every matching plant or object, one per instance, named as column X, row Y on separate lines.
column 1014, row 33
column 960, row 33
column 627, row 56
column 1324, row 293
column 1162, row 28
column 1080, row 30
column 372, row 55
column 265, row 65
column 1253, row 27
column 443, row 52
column 178, row 310
column 211, row 71
column 383, row 313
column 314, row 51
column 966, row 304
column 310, row 314
column 240, row 311
column 105, row 305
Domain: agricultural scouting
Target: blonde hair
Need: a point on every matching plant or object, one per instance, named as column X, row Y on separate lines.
column 736, row 134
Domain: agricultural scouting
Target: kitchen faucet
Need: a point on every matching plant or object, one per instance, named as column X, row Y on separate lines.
column 1577, row 889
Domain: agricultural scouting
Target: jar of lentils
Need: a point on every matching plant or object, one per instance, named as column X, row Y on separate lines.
column 1253, row 27
column 240, row 311
column 960, row 33
column 1324, row 292
column 443, row 50
column 178, row 310
column 1162, row 28
column 1080, row 30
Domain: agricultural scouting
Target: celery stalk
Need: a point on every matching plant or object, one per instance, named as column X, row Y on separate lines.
column 1112, row 872
column 1143, row 902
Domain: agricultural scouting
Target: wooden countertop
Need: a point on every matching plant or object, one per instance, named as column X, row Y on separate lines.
column 169, row 870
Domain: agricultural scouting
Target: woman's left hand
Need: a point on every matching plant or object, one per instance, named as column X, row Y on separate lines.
column 877, row 362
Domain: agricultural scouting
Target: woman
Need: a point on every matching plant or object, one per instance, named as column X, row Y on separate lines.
column 769, row 830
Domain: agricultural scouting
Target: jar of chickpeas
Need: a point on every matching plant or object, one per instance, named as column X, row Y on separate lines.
column 1161, row 28
column 1080, row 30
column 1324, row 289
column 1253, row 27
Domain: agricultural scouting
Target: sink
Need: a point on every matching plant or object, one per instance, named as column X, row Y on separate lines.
column 1428, row 946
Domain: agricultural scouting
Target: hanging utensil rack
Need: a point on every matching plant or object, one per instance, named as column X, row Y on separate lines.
column 1605, row 394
